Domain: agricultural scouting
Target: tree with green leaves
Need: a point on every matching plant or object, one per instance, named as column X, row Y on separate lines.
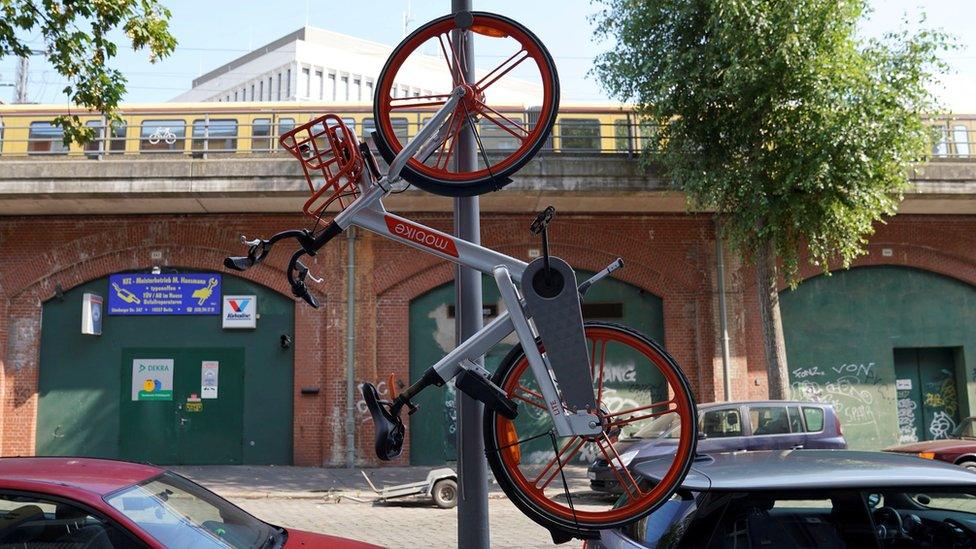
column 76, row 41
column 777, row 116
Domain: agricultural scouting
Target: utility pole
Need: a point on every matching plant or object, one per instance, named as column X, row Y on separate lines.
column 20, row 88
column 473, row 530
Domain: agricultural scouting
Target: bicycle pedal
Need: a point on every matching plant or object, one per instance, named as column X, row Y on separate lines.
column 482, row 389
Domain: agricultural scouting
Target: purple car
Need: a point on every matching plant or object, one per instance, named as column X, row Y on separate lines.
column 729, row 427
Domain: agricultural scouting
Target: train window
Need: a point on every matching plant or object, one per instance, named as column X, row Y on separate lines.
column 941, row 139
column 960, row 138
column 622, row 136
column 45, row 138
column 400, row 128
column 533, row 119
column 162, row 136
column 579, row 134
column 261, row 134
column 220, row 135
column 116, row 141
column 285, row 125
column 498, row 138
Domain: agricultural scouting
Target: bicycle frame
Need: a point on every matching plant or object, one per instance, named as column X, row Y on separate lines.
column 368, row 212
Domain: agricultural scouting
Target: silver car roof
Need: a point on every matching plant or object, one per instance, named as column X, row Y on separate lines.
column 812, row 470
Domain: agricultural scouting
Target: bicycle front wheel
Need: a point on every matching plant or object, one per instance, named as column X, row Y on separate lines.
column 641, row 394
column 509, row 107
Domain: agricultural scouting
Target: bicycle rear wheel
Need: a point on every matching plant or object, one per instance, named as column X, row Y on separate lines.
column 640, row 391
column 510, row 106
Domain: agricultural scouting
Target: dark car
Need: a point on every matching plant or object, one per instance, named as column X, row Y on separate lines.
column 106, row 504
column 729, row 427
column 958, row 449
column 808, row 499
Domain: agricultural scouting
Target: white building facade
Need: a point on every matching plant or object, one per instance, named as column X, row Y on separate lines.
column 313, row 64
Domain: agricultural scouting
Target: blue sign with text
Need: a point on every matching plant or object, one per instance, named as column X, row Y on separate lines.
column 164, row 294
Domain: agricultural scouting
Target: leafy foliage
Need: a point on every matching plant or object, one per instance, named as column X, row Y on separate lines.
column 75, row 34
column 775, row 114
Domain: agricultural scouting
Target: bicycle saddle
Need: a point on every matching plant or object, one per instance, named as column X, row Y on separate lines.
column 389, row 428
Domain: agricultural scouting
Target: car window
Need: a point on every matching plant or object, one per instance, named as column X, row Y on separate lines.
column 763, row 519
column 721, row 423
column 814, row 417
column 179, row 513
column 796, row 424
column 947, row 501
column 29, row 521
column 769, row 420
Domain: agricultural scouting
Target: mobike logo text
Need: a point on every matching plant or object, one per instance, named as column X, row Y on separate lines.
column 422, row 236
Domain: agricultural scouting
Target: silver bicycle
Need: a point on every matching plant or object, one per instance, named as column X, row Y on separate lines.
column 555, row 402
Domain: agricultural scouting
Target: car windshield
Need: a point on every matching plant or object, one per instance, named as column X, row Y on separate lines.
column 666, row 426
column 179, row 513
column 965, row 429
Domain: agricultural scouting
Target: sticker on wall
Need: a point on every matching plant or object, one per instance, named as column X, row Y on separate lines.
column 193, row 407
column 91, row 314
column 903, row 384
column 240, row 311
column 152, row 379
column 209, row 378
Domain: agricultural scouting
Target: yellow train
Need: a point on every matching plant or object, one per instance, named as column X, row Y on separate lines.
column 243, row 128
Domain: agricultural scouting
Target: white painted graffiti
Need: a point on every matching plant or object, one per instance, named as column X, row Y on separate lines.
column 802, row 373
column 906, row 421
column 856, row 369
column 942, row 425
column 627, row 374
column 846, row 386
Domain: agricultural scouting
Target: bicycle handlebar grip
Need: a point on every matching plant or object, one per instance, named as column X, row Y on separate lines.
column 389, row 429
column 238, row 263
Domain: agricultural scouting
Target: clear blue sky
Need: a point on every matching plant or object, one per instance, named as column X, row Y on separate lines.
column 213, row 32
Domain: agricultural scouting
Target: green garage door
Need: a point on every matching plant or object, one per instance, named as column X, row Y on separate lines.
column 845, row 334
column 433, row 427
column 85, row 405
column 182, row 426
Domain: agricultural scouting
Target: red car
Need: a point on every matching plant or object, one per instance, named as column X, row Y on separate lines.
column 959, row 448
column 106, row 504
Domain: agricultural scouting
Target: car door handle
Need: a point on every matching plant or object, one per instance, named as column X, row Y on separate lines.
column 797, row 447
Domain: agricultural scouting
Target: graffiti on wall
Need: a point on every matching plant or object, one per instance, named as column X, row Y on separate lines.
column 850, row 388
column 944, row 397
column 906, row 418
column 942, row 425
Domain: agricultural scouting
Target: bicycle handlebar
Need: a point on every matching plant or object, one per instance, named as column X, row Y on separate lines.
column 297, row 271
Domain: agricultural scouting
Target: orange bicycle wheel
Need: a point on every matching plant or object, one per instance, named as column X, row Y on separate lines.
column 510, row 105
column 640, row 391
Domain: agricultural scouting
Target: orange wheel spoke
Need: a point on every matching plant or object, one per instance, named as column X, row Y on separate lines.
column 557, row 458
column 599, row 385
column 563, row 460
column 529, row 401
column 642, row 408
column 482, row 85
column 632, row 419
column 456, row 57
column 622, row 473
column 485, row 109
column 455, row 77
column 415, row 105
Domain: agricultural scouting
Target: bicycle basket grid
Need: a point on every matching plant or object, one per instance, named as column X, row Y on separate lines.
column 330, row 160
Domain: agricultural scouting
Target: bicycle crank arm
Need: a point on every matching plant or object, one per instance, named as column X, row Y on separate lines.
column 588, row 283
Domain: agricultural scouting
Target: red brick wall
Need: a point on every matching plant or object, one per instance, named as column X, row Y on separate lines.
column 669, row 255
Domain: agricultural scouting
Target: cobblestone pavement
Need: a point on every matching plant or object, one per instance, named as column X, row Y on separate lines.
column 401, row 525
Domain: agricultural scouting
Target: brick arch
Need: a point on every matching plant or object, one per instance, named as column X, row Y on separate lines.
column 914, row 256
column 190, row 244
column 71, row 265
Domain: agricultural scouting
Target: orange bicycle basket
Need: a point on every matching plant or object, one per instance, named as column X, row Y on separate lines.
column 330, row 159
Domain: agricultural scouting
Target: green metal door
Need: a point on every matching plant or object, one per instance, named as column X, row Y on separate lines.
column 433, row 427
column 182, row 406
column 928, row 404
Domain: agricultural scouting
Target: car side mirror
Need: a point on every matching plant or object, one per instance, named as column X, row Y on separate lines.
column 702, row 435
